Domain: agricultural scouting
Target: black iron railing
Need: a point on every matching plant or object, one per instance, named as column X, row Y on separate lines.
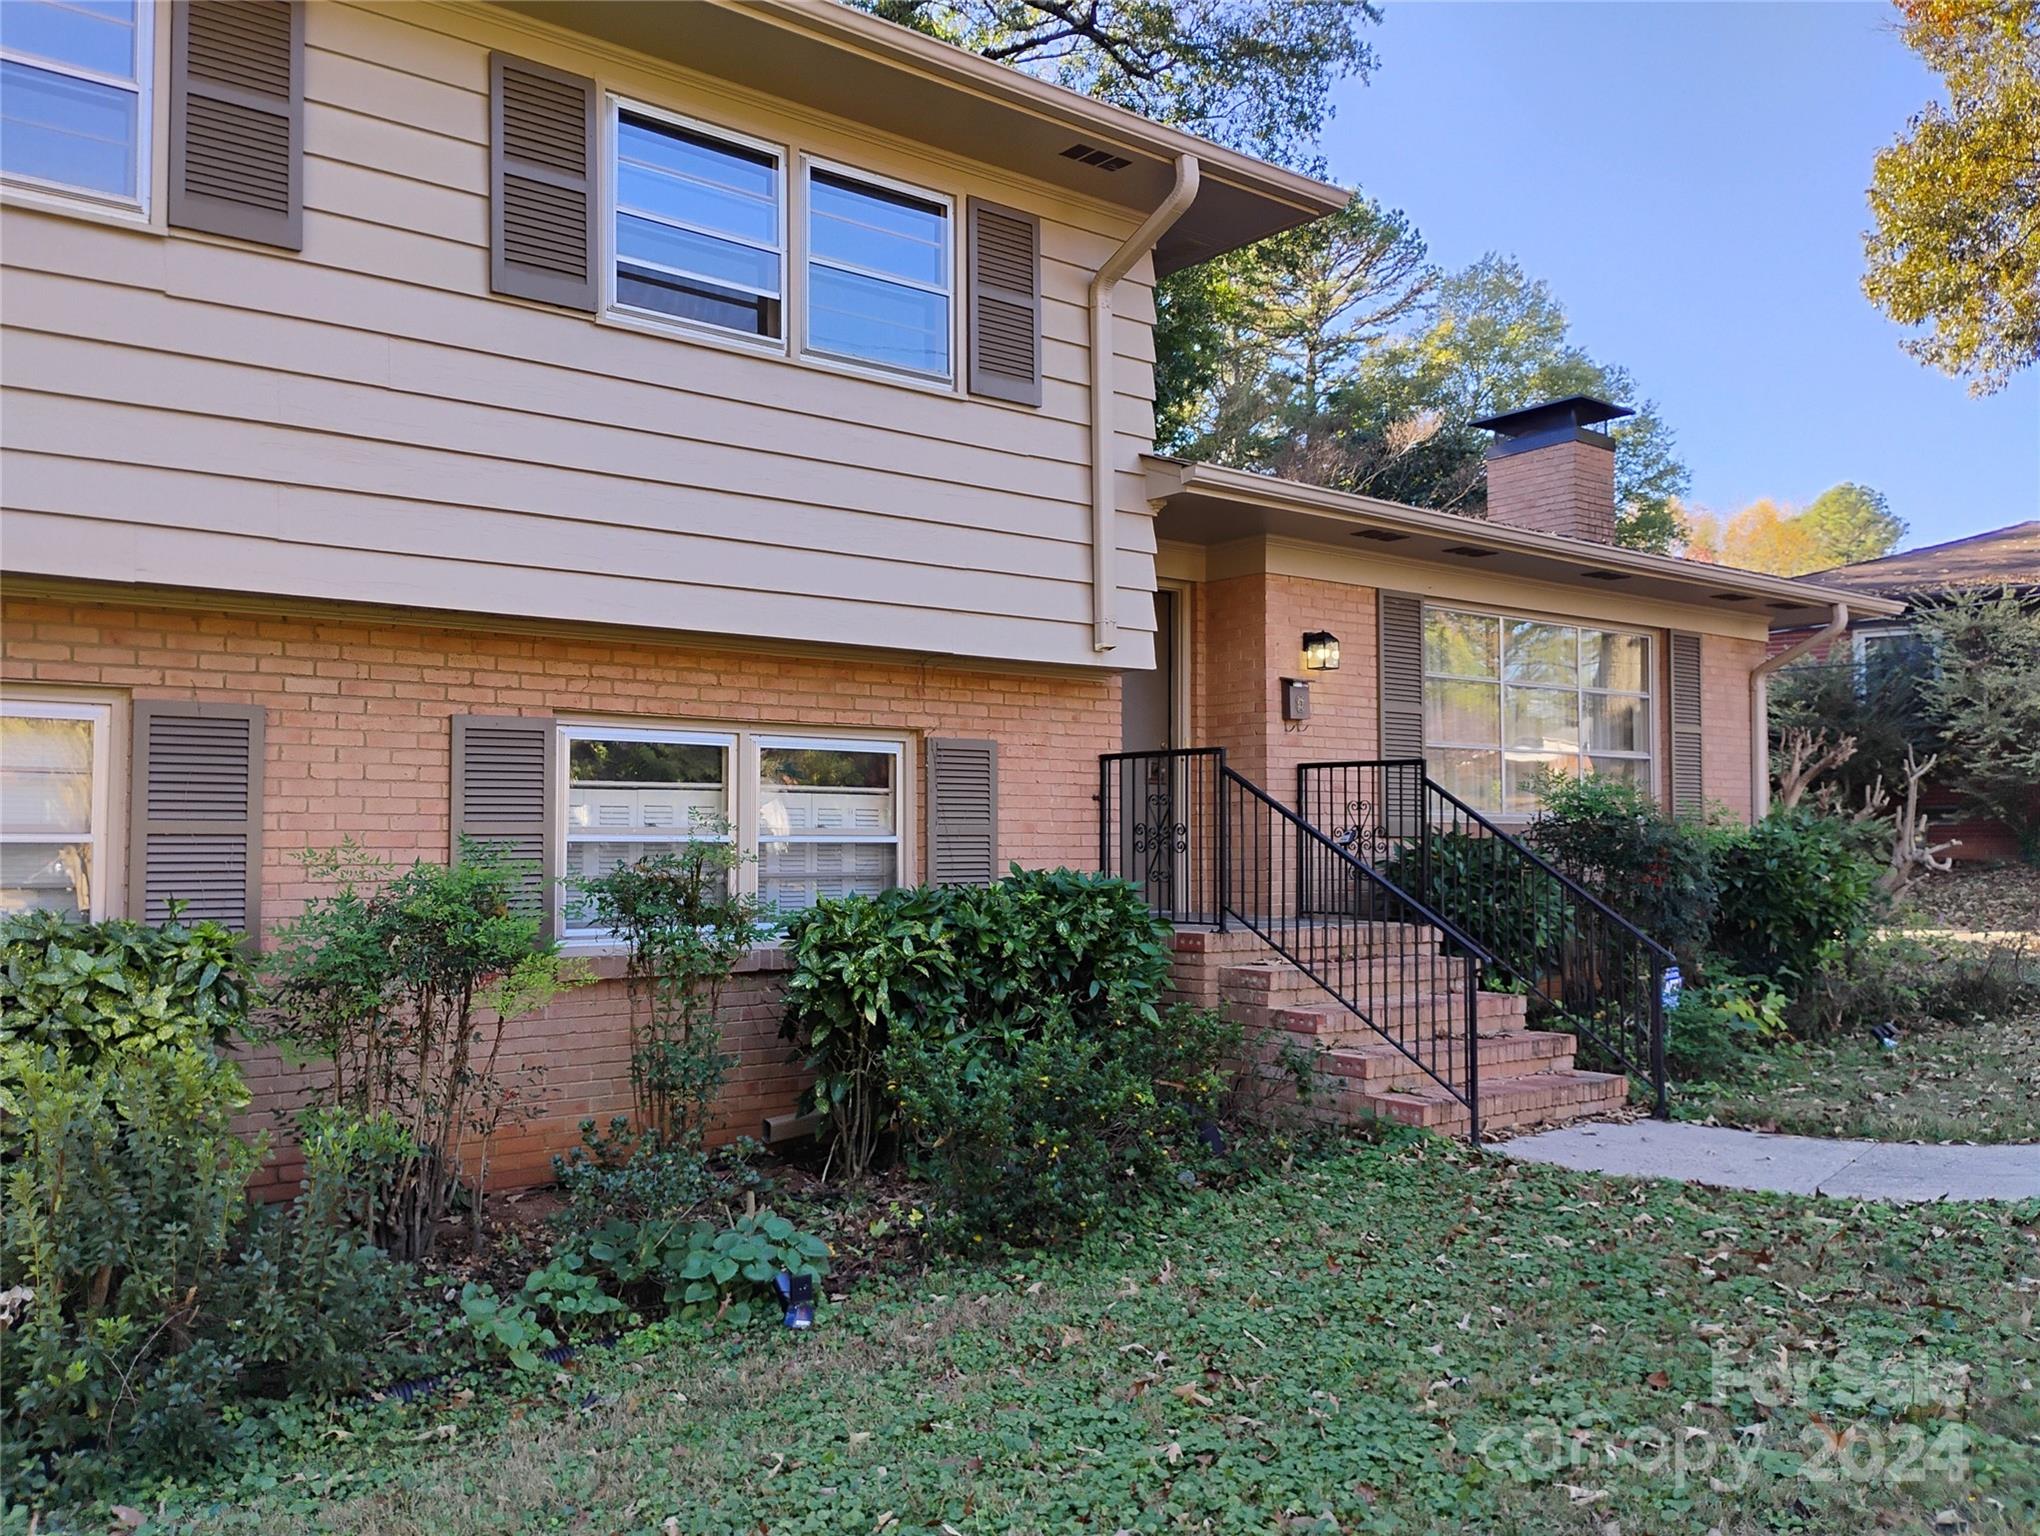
column 1211, row 848
column 1587, row 969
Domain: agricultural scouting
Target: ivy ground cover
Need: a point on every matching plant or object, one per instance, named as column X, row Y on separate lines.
column 1399, row 1337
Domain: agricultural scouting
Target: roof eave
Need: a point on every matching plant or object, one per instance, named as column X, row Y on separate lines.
column 1559, row 559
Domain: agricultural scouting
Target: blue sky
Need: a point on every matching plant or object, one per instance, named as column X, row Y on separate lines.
column 1689, row 178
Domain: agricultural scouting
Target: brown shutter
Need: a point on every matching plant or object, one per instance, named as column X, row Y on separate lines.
column 237, row 119
column 541, row 183
column 1402, row 674
column 1004, row 303
column 195, row 813
column 1689, row 793
column 503, row 797
column 963, row 812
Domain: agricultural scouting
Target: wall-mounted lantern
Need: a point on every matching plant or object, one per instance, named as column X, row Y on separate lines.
column 1321, row 651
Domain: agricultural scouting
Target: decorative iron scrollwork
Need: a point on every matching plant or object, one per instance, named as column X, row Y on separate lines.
column 1160, row 839
column 1365, row 834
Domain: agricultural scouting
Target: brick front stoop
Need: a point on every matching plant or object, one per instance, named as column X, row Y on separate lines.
column 1527, row 1076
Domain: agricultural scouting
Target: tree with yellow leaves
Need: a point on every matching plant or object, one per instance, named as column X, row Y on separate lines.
column 1956, row 247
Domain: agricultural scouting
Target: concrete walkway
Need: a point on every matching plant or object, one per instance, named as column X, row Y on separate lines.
column 1792, row 1165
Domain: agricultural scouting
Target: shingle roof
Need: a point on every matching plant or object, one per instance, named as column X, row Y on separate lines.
column 2002, row 557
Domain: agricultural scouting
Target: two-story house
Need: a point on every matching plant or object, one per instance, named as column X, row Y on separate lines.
column 563, row 422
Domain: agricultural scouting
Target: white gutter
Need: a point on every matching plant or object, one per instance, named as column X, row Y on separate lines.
column 1760, row 705
column 1104, row 504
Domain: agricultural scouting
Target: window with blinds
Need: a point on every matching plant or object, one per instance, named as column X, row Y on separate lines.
column 74, row 97
column 700, row 225
column 53, row 806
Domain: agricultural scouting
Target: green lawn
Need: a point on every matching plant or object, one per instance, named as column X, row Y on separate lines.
column 1969, row 1082
column 1407, row 1337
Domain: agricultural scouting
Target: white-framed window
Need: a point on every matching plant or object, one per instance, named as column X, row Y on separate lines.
column 828, row 819
column 812, row 817
column 1508, row 698
column 55, row 838
column 698, row 224
column 1887, row 652
column 74, row 97
column 880, row 271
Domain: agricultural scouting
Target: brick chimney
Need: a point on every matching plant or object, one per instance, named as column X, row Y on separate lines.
column 1548, row 469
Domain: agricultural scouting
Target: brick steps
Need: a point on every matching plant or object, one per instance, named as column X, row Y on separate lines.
column 1537, row 1098
column 1374, row 1067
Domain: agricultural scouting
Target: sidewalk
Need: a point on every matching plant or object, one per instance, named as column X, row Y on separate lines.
column 1793, row 1165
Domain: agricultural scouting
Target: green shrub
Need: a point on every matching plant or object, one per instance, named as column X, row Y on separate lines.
column 404, row 980
column 939, row 958
column 1506, row 905
column 1616, row 841
column 1792, row 887
column 505, row 1328
column 684, row 927
column 124, row 1188
column 1983, row 696
column 563, row 1290
column 699, row 1270
column 152, row 1295
column 89, row 988
column 1036, row 1129
column 1718, row 1021
column 1856, row 985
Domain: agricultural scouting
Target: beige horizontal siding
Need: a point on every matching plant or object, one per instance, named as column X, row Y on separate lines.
column 364, row 421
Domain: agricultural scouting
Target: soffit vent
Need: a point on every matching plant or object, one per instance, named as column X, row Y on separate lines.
column 1731, row 597
column 1605, row 575
column 1103, row 159
column 1470, row 551
column 1381, row 535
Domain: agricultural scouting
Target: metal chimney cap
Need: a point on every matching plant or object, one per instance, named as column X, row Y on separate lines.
column 1572, row 413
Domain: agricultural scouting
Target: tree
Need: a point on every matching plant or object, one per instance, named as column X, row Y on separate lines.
column 1956, row 198
column 1256, row 74
column 1853, row 523
column 1983, row 695
column 1842, row 525
column 1498, row 339
column 1294, row 313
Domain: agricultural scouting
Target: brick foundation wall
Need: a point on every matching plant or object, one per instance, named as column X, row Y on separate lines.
column 359, row 744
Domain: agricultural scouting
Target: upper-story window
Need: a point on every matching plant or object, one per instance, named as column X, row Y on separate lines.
column 74, row 107
column 700, row 232
column 1507, row 699
column 879, row 274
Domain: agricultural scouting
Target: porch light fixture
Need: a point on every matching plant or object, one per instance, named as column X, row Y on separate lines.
column 1321, row 651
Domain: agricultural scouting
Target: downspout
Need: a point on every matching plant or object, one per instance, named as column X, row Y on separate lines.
column 1104, row 505
column 1760, row 706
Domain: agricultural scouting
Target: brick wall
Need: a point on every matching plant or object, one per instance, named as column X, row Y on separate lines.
column 1725, row 666
column 1564, row 488
column 1256, row 626
column 359, row 744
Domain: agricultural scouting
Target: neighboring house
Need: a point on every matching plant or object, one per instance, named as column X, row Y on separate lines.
column 2002, row 560
column 554, row 422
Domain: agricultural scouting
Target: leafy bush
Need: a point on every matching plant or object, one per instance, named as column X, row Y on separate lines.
column 935, row 957
column 697, row 1269
column 124, row 1189
column 1037, row 1128
column 573, row 1298
column 1503, row 904
column 1856, row 985
column 90, row 988
column 1616, row 841
column 684, row 926
column 1719, row 1020
column 151, row 1292
column 505, row 1328
column 404, row 980
column 1792, row 887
